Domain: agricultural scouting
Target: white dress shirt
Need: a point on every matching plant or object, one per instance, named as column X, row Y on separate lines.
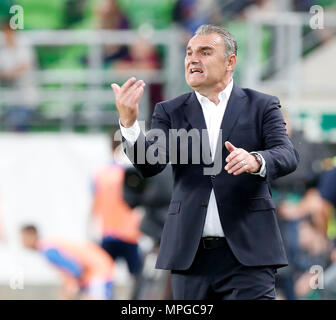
column 213, row 115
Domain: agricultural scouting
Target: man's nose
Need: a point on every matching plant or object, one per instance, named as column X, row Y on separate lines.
column 193, row 59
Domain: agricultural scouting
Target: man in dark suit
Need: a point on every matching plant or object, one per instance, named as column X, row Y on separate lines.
column 221, row 239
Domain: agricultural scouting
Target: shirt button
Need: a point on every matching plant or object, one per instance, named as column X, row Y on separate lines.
column 213, row 177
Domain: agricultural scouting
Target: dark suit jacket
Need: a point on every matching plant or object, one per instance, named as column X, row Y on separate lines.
column 252, row 121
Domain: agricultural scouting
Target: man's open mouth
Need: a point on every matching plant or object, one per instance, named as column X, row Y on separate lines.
column 193, row 70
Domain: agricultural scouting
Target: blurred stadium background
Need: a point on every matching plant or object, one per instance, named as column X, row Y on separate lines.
column 57, row 109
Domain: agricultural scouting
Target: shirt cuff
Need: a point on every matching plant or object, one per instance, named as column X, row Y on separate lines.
column 132, row 133
column 262, row 171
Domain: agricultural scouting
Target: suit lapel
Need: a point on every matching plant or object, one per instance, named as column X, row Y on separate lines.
column 235, row 107
column 194, row 113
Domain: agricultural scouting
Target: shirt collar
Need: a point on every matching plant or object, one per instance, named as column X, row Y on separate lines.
column 224, row 94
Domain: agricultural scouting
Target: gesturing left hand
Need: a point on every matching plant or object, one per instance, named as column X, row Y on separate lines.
column 240, row 161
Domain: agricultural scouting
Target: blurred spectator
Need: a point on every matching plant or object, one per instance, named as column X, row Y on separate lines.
column 143, row 56
column 313, row 241
column 190, row 14
column 110, row 17
column 327, row 189
column 302, row 5
column 317, row 248
column 304, row 225
column 297, row 199
column 327, row 186
column 87, row 271
column 17, row 63
column 119, row 223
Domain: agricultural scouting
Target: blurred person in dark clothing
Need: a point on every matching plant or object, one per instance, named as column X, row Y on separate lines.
column 317, row 250
column 327, row 186
column 296, row 197
column 327, row 189
column 307, row 242
column 302, row 5
column 17, row 62
column 304, row 225
column 110, row 17
column 314, row 239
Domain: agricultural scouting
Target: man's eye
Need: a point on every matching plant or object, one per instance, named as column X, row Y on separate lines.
column 188, row 53
column 205, row 53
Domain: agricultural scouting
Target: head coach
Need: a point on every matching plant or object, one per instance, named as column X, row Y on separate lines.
column 221, row 238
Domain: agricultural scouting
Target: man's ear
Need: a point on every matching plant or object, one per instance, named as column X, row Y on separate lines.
column 232, row 62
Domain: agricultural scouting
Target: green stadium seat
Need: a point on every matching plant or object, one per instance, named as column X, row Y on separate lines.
column 158, row 13
column 4, row 10
column 40, row 14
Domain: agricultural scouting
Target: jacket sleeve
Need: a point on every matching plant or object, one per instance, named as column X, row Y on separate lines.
column 150, row 153
column 278, row 151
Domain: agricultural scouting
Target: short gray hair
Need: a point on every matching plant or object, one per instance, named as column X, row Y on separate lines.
column 229, row 40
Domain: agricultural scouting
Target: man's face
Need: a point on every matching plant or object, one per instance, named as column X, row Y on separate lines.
column 205, row 62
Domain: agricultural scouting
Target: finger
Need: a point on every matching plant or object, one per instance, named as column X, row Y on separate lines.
column 129, row 94
column 116, row 89
column 229, row 146
column 137, row 95
column 133, row 95
column 237, row 167
column 128, row 84
column 234, row 162
column 130, row 91
column 240, row 170
column 233, row 154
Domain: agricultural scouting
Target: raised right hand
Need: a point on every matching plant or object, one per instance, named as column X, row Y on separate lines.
column 127, row 100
